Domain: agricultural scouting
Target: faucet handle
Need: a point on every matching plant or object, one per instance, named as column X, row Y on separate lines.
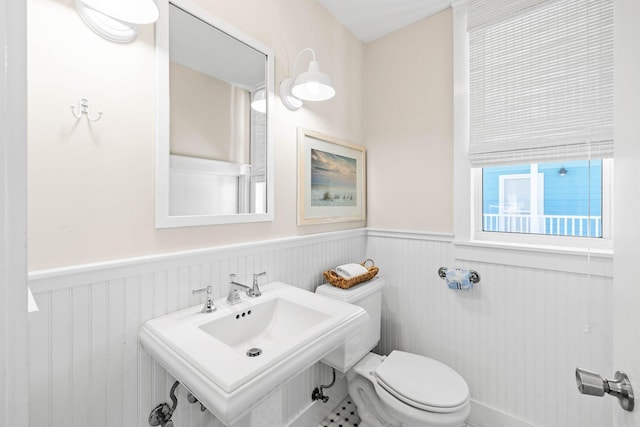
column 207, row 289
column 233, row 276
column 208, row 307
column 255, row 290
column 255, row 277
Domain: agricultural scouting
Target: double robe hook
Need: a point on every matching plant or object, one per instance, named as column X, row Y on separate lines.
column 83, row 108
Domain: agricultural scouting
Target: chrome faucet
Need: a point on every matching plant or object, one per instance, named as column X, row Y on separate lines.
column 234, row 295
column 252, row 292
column 208, row 307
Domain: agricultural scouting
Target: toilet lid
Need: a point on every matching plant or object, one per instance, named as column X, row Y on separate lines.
column 422, row 382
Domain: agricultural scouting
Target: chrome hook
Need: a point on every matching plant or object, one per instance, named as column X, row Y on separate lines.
column 83, row 108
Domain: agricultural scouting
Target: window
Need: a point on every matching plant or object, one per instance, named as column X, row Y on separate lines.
column 559, row 199
column 540, row 115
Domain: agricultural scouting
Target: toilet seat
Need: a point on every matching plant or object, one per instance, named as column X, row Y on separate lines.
column 422, row 383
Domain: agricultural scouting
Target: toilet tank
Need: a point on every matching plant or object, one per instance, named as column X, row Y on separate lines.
column 367, row 295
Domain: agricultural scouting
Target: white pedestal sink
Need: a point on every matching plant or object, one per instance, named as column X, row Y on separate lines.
column 233, row 358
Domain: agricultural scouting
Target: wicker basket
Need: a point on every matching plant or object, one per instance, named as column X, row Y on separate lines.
column 336, row 280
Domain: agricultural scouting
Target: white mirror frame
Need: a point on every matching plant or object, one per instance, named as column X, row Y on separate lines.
column 163, row 219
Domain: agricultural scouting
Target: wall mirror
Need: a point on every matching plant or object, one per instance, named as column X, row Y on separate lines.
column 214, row 162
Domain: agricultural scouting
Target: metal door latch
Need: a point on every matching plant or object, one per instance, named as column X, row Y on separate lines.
column 591, row 383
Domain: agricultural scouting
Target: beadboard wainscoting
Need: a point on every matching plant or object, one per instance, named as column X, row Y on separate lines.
column 516, row 337
column 86, row 365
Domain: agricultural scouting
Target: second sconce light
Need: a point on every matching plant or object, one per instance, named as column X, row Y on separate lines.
column 312, row 85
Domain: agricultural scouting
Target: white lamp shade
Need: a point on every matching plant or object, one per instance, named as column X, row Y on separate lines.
column 132, row 11
column 313, row 85
column 259, row 102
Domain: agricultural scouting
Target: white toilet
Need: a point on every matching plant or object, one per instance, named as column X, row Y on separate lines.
column 402, row 389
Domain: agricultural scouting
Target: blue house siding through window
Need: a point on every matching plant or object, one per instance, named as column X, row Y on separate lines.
column 573, row 200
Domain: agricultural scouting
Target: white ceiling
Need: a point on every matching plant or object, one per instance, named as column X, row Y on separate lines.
column 371, row 19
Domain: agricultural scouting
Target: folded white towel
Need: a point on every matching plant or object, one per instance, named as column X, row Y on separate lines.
column 350, row 270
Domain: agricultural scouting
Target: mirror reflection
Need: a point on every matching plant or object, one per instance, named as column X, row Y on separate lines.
column 217, row 130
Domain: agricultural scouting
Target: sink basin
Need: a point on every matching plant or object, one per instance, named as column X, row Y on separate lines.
column 235, row 357
column 271, row 326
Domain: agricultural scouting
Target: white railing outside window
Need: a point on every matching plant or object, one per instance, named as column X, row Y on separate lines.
column 556, row 225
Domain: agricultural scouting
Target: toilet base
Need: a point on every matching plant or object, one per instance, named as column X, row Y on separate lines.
column 387, row 411
column 369, row 410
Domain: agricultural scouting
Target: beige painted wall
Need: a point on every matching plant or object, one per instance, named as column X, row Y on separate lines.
column 91, row 185
column 409, row 127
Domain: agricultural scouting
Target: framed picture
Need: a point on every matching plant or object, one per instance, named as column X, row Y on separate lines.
column 331, row 179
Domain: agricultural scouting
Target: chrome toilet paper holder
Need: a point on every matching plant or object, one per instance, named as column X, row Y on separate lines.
column 474, row 276
column 593, row 384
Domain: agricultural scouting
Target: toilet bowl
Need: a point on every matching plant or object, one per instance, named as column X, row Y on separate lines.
column 402, row 389
column 406, row 389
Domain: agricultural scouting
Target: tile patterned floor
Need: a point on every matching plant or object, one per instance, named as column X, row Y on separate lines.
column 343, row 415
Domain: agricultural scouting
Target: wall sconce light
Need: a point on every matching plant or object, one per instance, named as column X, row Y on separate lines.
column 259, row 101
column 563, row 171
column 312, row 85
column 117, row 20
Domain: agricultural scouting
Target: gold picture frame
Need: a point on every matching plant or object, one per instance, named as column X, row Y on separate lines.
column 331, row 179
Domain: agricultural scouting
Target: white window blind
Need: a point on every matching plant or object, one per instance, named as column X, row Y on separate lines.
column 541, row 80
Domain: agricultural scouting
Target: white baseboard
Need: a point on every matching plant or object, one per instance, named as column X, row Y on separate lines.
column 317, row 411
column 486, row 416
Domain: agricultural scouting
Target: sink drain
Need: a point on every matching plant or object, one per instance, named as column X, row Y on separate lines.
column 253, row 352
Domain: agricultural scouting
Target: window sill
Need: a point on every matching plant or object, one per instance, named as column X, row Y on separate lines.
column 596, row 262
